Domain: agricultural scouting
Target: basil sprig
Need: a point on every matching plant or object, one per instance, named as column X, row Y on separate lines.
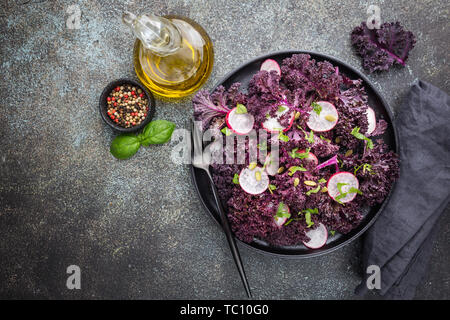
column 156, row 132
column 124, row 146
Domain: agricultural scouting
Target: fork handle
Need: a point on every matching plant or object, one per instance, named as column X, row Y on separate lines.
column 230, row 238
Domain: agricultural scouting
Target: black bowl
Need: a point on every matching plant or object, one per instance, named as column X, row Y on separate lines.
column 103, row 104
column 243, row 74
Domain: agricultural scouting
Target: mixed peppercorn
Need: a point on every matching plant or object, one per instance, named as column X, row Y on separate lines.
column 127, row 106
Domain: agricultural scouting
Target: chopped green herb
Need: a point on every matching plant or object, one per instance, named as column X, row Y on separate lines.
column 294, row 169
column 325, row 139
column 236, row 178
column 272, row 187
column 354, row 190
column 344, row 194
column 355, row 132
column 310, row 137
column 303, row 155
column 315, row 190
column 322, row 180
column 293, row 152
column 317, row 108
column 366, row 167
column 314, row 211
column 241, row 109
column 340, row 185
column 283, row 137
column 262, row 146
column 309, row 223
column 281, row 108
column 226, row 131
column 282, row 211
column 339, row 197
column 332, row 232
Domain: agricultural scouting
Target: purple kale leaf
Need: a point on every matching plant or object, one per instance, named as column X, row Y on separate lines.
column 352, row 107
column 218, row 104
column 316, row 80
column 384, row 47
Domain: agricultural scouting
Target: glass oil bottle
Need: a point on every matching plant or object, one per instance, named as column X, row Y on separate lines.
column 173, row 56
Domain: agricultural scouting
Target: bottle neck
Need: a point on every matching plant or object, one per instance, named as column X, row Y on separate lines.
column 157, row 34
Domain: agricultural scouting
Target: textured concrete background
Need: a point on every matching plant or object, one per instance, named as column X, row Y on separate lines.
column 136, row 228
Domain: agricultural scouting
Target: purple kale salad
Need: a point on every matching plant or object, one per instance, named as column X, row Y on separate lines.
column 328, row 163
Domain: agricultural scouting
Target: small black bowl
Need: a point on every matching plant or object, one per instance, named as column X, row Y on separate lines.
column 103, row 104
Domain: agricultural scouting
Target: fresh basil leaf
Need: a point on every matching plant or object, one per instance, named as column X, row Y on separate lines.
column 241, row 109
column 124, row 146
column 157, row 132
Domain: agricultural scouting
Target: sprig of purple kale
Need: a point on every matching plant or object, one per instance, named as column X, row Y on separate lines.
column 218, row 104
column 384, row 47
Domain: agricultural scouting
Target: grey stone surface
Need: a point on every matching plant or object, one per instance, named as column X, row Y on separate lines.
column 136, row 228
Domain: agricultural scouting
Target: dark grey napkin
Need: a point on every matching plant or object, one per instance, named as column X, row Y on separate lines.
column 400, row 241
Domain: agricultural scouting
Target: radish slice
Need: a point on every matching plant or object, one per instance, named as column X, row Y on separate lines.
column 317, row 237
column 273, row 125
column 280, row 221
column 272, row 164
column 249, row 182
column 372, row 120
column 270, row 65
column 311, row 157
column 342, row 177
column 326, row 120
column 239, row 123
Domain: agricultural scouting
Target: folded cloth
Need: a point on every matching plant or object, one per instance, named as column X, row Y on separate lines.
column 399, row 242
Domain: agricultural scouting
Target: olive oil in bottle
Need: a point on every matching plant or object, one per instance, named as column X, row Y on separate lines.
column 173, row 56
